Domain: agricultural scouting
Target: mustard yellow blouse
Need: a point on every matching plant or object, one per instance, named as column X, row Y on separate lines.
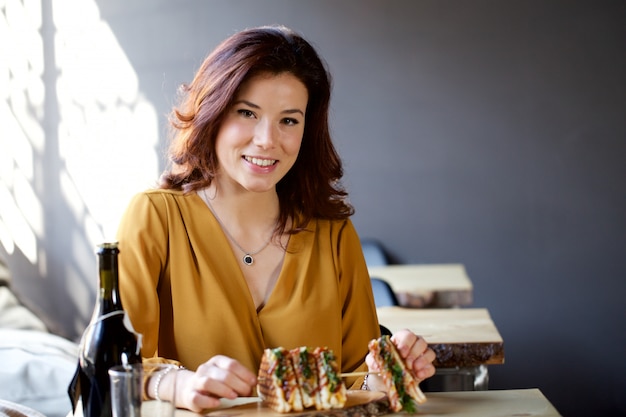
column 184, row 291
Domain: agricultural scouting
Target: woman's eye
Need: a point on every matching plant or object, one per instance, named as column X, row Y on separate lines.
column 290, row 122
column 245, row 113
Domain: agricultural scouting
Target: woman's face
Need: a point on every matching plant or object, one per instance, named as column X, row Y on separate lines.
column 261, row 133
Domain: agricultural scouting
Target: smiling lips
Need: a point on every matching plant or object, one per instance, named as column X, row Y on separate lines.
column 260, row 162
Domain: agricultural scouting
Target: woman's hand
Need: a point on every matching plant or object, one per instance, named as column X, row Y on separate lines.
column 417, row 356
column 416, row 353
column 219, row 377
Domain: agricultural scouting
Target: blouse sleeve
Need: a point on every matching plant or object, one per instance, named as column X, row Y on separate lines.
column 142, row 237
column 359, row 318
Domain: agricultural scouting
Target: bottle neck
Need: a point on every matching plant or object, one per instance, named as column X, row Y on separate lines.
column 109, row 295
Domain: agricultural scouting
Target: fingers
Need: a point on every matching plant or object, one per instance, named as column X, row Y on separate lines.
column 372, row 366
column 224, row 377
column 219, row 377
column 410, row 346
column 423, row 366
column 415, row 352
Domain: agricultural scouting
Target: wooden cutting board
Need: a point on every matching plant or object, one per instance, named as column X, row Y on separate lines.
column 359, row 403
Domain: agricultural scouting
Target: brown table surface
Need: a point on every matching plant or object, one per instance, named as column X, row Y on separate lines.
column 428, row 285
column 459, row 336
column 495, row 403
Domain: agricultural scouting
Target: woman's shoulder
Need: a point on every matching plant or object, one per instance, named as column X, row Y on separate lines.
column 338, row 235
column 330, row 226
column 159, row 199
column 332, row 222
column 161, row 194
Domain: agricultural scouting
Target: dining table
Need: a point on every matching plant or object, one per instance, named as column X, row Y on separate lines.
column 493, row 403
column 466, row 342
column 427, row 285
column 529, row 402
column 460, row 337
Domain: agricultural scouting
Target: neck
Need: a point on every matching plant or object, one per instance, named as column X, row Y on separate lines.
column 248, row 209
column 248, row 219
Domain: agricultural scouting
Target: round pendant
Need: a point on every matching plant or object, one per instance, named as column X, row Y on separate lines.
column 248, row 259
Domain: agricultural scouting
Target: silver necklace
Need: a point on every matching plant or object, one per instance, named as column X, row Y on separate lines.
column 247, row 256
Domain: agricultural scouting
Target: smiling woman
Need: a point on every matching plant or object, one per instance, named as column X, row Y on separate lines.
column 249, row 236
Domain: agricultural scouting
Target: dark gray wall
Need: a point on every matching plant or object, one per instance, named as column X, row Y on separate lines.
column 490, row 133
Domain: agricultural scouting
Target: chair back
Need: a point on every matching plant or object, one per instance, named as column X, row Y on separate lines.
column 374, row 253
column 383, row 293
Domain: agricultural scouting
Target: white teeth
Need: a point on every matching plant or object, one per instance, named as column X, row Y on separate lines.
column 260, row 162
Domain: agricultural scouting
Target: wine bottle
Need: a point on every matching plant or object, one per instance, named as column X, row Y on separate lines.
column 108, row 340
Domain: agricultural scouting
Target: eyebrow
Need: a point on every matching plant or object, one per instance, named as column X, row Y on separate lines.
column 254, row 106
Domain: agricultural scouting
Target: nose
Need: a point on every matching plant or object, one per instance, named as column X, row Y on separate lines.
column 264, row 134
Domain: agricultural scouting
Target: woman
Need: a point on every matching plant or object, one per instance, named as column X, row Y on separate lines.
column 247, row 243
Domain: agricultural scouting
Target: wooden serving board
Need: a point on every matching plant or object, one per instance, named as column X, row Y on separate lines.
column 359, row 403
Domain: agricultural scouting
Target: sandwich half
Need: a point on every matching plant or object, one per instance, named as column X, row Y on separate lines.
column 305, row 368
column 277, row 384
column 332, row 390
column 402, row 388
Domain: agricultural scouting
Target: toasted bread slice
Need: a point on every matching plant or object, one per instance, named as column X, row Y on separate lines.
column 277, row 384
column 305, row 367
column 332, row 390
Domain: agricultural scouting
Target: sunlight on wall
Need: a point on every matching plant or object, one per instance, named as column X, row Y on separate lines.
column 107, row 131
column 77, row 140
column 21, row 87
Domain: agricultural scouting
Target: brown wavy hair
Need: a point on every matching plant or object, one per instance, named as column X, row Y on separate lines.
column 311, row 189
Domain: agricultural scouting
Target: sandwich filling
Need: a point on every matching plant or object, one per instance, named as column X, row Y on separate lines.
column 402, row 388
